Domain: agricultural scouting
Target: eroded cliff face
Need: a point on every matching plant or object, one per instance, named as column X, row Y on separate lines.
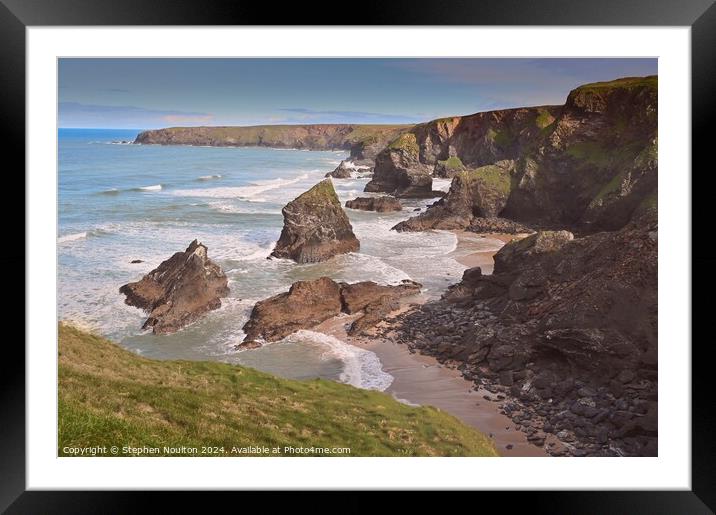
column 363, row 141
column 445, row 147
column 587, row 165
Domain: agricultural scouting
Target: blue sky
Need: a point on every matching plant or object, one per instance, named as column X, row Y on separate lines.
column 151, row 93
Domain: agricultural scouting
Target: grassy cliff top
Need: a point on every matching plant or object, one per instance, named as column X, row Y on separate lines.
column 650, row 81
column 317, row 136
column 109, row 396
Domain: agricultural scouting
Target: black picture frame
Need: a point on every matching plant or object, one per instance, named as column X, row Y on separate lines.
column 700, row 15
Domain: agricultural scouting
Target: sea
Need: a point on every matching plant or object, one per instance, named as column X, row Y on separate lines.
column 119, row 202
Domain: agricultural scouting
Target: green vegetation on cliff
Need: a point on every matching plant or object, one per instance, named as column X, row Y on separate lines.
column 452, row 163
column 493, row 176
column 109, row 396
column 407, row 143
column 651, row 81
column 321, row 192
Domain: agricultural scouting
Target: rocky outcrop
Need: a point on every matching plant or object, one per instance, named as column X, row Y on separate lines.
column 342, row 171
column 349, row 169
column 363, row 141
column 497, row 225
column 448, row 168
column 482, row 192
column 565, row 330
column 315, row 227
column 379, row 204
column 398, row 170
column 308, row 303
column 179, row 291
column 587, row 165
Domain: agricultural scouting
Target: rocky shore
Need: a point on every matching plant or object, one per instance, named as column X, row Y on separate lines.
column 563, row 334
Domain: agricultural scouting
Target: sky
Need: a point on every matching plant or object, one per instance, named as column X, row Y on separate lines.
column 147, row 93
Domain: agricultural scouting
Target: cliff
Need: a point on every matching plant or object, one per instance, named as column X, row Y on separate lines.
column 363, row 141
column 587, row 165
column 566, row 329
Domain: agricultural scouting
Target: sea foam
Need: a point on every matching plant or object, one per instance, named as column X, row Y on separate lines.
column 246, row 192
column 361, row 368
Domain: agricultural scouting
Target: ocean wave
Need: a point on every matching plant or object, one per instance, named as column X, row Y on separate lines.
column 208, row 177
column 72, row 237
column 153, row 187
column 110, row 191
column 241, row 192
column 361, row 368
column 228, row 207
column 77, row 236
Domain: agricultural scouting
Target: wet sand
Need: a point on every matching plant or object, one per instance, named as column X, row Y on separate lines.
column 422, row 380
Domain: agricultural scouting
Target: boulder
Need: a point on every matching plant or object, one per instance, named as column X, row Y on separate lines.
column 315, row 227
column 179, row 291
column 379, row 204
column 357, row 296
column 523, row 251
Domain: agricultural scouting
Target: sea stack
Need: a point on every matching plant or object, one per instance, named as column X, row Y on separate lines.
column 315, row 227
column 179, row 291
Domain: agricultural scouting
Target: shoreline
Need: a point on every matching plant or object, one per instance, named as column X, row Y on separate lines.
column 419, row 379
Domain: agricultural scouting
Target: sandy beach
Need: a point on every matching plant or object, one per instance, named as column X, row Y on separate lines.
column 422, row 380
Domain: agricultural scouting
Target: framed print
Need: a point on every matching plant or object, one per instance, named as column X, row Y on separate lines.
column 417, row 253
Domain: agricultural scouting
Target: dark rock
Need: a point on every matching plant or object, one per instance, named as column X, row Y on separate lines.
column 481, row 192
column 306, row 304
column 398, row 170
column 506, row 378
column 136, row 261
column 179, row 291
column 343, row 171
column 379, row 204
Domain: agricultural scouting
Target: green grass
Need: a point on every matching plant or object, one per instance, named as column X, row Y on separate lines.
column 491, row 175
column 320, row 193
column 544, row 119
column 452, row 163
column 406, row 142
column 591, row 152
column 651, row 81
column 111, row 397
column 502, row 138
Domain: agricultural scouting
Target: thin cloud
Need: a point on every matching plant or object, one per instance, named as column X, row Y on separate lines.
column 75, row 114
column 349, row 116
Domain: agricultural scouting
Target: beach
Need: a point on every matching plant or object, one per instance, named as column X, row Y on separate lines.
column 422, row 380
